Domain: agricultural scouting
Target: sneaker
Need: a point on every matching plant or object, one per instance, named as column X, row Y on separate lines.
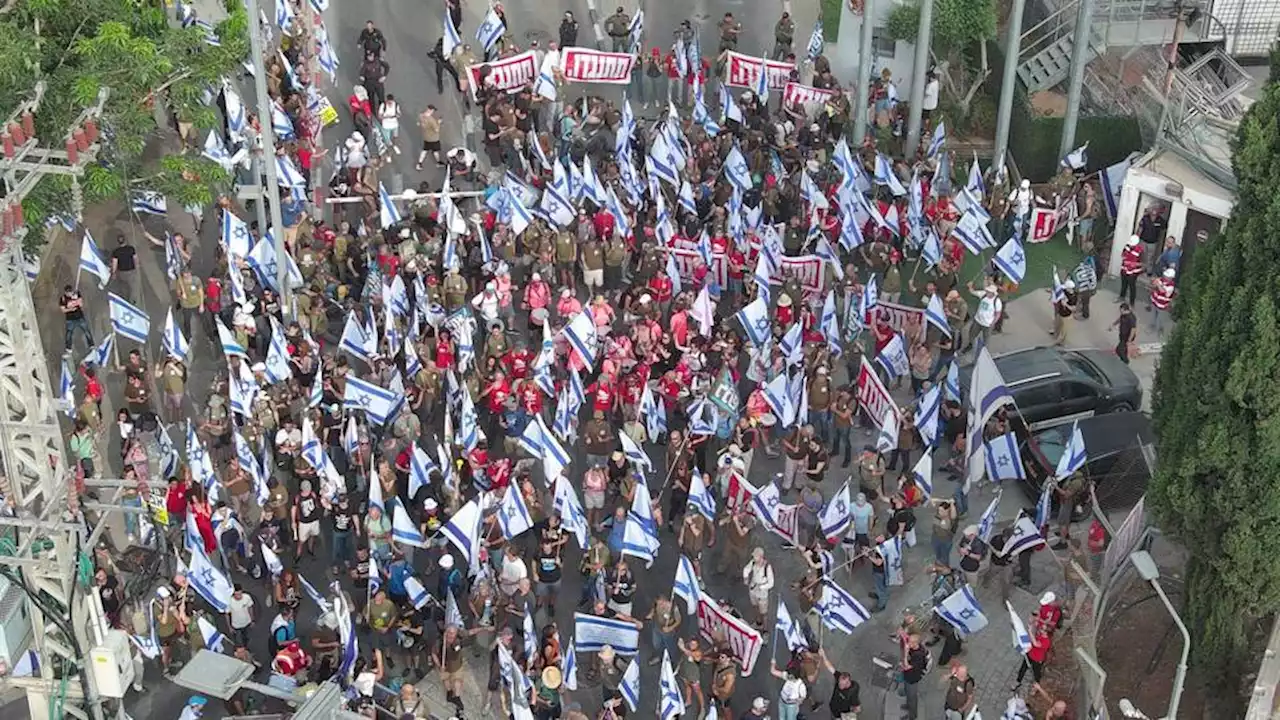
column 396, row 149
column 418, row 167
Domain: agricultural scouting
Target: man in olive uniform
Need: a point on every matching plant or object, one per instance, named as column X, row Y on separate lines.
column 618, row 27
column 784, row 34
column 729, row 31
column 566, row 254
column 190, row 295
column 820, row 405
column 615, row 258
column 593, row 265
column 599, row 439
column 455, row 290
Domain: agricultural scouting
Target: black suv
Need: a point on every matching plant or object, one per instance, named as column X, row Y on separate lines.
column 1052, row 386
column 1121, row 450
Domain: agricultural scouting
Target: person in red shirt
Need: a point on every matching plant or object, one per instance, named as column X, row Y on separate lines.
column 661, row 287
column 92, row 386
column 444, row 350
column 212, row 304
column 604, row 222
column 531, row 397
column 602, row 394
column 175, row 501
column 1034, row 660
column 785, row 314
column 1049, row 614
column 518, row 361
column 497, row 392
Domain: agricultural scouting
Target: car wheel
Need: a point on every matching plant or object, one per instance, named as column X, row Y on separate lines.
column 1120, row 408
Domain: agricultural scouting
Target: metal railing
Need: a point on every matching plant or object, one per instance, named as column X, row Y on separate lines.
column 1061, row 22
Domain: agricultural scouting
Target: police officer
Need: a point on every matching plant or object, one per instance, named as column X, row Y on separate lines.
column 618, row 27
column 568, row 30
column 784, row 34
column 729, row 31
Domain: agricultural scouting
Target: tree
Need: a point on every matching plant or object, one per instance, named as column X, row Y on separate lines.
column 961, row 29
column 1218, row 421
column 131, row 47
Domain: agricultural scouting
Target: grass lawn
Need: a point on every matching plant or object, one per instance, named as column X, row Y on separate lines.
column 831, row 19
column 1042, row 258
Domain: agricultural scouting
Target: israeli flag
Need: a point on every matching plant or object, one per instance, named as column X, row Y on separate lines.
column 418, row 594
column 922, row 473
column 569, row 667
column 1012, row 260
column 216, row 151
column 208, row 581
column 891, row 550
column 1021, row 638
column 452, row 39
column 836, row 517
column 420, row 468
column 212, row 637
column 357, row 340
column 388, row 213
column 581, row 334
column 824, row 250
column 403, row 530
column 174, row 343
column 640, row 536
column 939, row 139
column 1026, row 536
column 148, row 202
column 778, row 398
column 91, row 260
column 1074, row 456
column 972, row 232
column 839, row 609
column 816, row 40
column 513, row 514
column 952, row 383
column 592, row 188
column 275, row 567
column 1004, row 461
column 326, row 55
column 491, row 30
column 66, row 391
column 1078, row 158
column 573, row 517
column 761, row 276
column 128, row 320
column 893, row 357
column 686, row 585
column 776, row 517
column 230, row 345
column 1045, row 504
column 277, row 365
column 655, row 417
column 755, row 321
column 281, row 125
column 235, row 235
column 700, row 497
column 884, row 175
column 987, row 394
column 463, row 530
column 761, row 84
column 736, row 170
column 700, row 114
column 314, row 594
column 378, row 403
column 935, row 315
column 987, row 523
column 962, row 611
column 790, row 629
column 630, row 687
column 284, row 15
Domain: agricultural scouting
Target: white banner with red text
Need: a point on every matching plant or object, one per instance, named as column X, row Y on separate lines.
column 804, row 95
column 596, row 66
column 873, row 397
column 901, row 318
column 808, row 270
column 508, row 74
column 744, row 641
column 743, row 70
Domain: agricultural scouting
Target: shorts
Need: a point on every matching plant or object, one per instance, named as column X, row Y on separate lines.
column 760, row 601
column 450, row 678
column 593, row 278
column 308, row 530
column 594, row 499
column 430, row 146
column 620, row 608
column 545, row 589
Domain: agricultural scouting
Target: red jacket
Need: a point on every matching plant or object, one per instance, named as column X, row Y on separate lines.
column 1161, row 293
column 1131, row 260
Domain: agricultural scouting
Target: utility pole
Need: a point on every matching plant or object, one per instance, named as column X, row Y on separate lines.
column 1008, row 80
column 1075, row 85
column 924, row 37
column 269, row 152
column 863, row 84
column 36, row 475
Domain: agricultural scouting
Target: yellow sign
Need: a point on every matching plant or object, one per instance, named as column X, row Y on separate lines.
column 328, row 116
column 159, row 513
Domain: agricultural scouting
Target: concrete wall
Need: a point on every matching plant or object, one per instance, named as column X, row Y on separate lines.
column 844, row 56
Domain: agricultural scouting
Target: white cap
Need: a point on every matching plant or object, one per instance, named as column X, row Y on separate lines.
column 1069, row 284
column 430, row 505
column 446, row 562
column 1133, row 240
column 1170, row 273
column 1048, row 598
column 536, row 277
column 1026, row 184
column 760, row 704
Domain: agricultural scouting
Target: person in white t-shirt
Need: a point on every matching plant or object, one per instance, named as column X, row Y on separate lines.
column 930, row 101
column 240, row 612
column 990, row 307
column 389, row 119
column 792, row 694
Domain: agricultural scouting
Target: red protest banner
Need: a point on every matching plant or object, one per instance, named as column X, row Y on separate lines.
column 743, row 70
column 595, row 66
column 508, row 74
column 804, row 94
column 744, row 641
column 873, row 396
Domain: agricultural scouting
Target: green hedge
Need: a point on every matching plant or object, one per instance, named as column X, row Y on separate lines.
column 1034, row 141
column 831, row 19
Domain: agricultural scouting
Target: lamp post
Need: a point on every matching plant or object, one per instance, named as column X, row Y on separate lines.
column 1147, row 570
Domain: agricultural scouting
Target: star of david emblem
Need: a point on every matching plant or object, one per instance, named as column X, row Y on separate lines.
column 487, row 27
column 127, row 317
column 362, row 400
column 1017, row 257
column 834, row 601
column 841, row 507
column 967, row 614
column 206, row 576
column 772, row 502
column 241, row 232
column 1003, row 461
column 762, row 324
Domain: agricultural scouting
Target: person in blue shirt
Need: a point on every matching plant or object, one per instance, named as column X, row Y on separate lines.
column 451, row 578
column 617, row 528
column 397, row 573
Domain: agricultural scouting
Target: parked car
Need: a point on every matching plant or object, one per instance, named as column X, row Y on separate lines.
column 1053, row 386
column 1121, row 456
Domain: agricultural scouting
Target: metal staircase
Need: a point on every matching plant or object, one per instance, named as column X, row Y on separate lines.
column 1045, row 57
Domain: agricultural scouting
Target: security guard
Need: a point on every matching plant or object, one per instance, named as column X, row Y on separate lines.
column 729, row 31
column 784, row 34
column 618, row 27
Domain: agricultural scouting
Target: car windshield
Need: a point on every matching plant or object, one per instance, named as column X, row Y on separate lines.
column 1082, row 367
column 1052, row 442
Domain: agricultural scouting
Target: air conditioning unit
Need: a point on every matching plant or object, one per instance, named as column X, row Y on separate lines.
column 111, row 665
column 15, row 618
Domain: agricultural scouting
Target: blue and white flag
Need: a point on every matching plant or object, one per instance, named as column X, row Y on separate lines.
column 208, row 581
column 836, row 517
column 792, row 345
column 929, row 416
column 128, row 320
column 235, row 235
column 975, row 185
column 922, row 473
column 893, row 357
column 779, row 399
column 581, row 335
column 174, row 342
column 1044, row 505
column 630, row 687
column 952, row 383
column 215, row 150
column 388, row 213
column 491, row 30
column 700, row 497
column 91, row 260
column 1012, row 260
column 347, row 636
column 284, row 15
column 326, row 55
column 686, row 585
column 884, row 175
column 212, row 636
column 591, row 633
column 1021, row 639
column 417, row 593
column 378, row 403
column 781, row 519
column 634, row 33
column 1077, row 159
column 452, row 39
column 148, row 202
column 729, row 109
column 1074, row 455
column 962, row 611
column 66, row 391
column 420, row 468
column 1004, row 461
column 839, row 609
column 761, row 276
column 463, row 530
column 891, row 551
column 939, row 139
column 816, row 40
column 987, row 523
column 314, row 594
column 671, row 705
column 1026, row 536
column 277, row 364
column 987, row 394
column 736, row 170
column 640, row 536
column 357, row 340
column 530, row 632
column 761, row 84
column 790, row 629
column 935, row 315
column 573, row 517
column 403, row 531
column 755, row 321
column 513, row 514
column 281, row 124
column 452, row 614
column 231, row 346
column 972, row 232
